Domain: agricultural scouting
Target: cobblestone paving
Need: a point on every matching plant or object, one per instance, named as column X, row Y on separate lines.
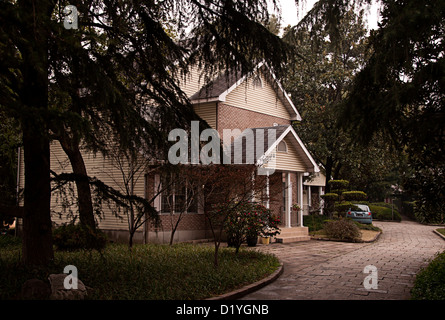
column 326, row 270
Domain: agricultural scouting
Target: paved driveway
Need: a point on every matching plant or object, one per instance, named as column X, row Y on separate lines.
column 334, row 270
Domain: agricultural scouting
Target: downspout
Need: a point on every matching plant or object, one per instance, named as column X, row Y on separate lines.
column 17, row 187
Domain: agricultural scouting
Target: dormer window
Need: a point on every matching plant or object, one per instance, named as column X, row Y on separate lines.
column 282, row 147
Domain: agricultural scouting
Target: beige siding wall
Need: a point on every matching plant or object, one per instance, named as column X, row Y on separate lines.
column 192, row 82
column 290, row 160
column 104, row 170
column 318, row 179
column 208, row 112
column 262, row 100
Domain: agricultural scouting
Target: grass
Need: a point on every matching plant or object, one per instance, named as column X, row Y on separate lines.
column 149, row 272
column 441, row 231
column 430, row 282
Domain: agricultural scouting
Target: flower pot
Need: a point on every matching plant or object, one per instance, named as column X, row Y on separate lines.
column 264, row 240
column 230, row 242
column 252, row 241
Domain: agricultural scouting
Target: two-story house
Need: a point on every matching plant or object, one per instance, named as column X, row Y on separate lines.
column 234, row 101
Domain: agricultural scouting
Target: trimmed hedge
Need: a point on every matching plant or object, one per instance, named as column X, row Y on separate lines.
column 354, row 196
column 384, row 213
column 338, row 184
column 342, row 207
column 330, row 196
column 314, row 222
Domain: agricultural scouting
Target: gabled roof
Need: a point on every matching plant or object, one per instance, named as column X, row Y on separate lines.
column 250, row 149
column 220, row 87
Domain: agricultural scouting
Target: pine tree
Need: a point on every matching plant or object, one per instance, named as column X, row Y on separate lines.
column 83, row 86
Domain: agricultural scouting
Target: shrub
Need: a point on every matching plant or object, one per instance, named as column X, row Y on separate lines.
column 314, row 222
column 354, row 196
column 430, row 282
column 338, row 184
column 250, row 220
column 330, row 196
column 408, row 209
column 7, row 240
column 342, row 229
column 76, row 236
column 342, row 207
column 384, row 213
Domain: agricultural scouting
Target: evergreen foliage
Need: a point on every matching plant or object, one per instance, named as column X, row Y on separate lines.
column 115, row 77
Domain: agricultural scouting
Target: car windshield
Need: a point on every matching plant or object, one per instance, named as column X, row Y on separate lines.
column 361, row 207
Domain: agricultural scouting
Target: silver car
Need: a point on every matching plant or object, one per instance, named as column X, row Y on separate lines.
column 361, row 214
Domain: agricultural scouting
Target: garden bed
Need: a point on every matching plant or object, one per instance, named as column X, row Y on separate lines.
column 149, row 272
column 347, row 230
column 366, row 236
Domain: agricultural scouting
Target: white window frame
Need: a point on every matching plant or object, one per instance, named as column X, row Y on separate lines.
column 285, row 145
column 158, row 199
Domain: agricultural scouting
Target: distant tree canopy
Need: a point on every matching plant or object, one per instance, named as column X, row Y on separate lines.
column 318, row 79
column 395, row 101
column 401, row 92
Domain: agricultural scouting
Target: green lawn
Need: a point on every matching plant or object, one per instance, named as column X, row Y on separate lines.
column 182, row 271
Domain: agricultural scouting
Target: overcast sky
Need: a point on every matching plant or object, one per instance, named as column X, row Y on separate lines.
column 290, row 14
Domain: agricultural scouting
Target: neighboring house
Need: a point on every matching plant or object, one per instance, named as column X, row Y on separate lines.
column 253, row 101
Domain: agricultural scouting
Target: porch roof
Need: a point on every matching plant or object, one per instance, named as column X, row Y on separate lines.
column 261, row 153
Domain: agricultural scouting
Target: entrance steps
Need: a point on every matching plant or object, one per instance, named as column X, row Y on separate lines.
column 293, row 234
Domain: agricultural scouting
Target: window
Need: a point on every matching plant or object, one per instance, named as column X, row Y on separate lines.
column 282, row 147
column 177, row 197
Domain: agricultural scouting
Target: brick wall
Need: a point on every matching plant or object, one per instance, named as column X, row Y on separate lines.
column 229, row 117
column 236, row 118
column 189, row 221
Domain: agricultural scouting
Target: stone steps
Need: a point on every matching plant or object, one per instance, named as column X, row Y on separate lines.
column 294, row 234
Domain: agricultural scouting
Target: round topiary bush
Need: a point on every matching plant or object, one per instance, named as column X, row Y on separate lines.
column 343, row 229
column 354, row 196
column 338, row 184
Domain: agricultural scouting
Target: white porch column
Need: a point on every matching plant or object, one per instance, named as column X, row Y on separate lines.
column 320, row 193
column 289, row 200
column 267, row 190
column 309, row 199
column 300, row 196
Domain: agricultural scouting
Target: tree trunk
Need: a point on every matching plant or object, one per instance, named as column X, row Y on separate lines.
column 37, row 234
column 328, row 168
column 337, row 171
column 86, row 213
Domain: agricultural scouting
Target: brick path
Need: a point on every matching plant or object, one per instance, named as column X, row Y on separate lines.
column 326, row 270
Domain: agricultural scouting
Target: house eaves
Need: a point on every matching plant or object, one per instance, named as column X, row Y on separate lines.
column 218, row 89
column 310, row 164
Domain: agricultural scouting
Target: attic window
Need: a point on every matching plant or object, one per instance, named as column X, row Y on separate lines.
column 257, row 82
column 282, row 147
